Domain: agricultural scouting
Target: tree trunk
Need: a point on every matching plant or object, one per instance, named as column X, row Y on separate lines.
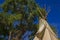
column 9, row 35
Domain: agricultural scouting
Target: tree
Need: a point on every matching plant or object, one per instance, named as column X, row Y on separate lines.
column 24, row 11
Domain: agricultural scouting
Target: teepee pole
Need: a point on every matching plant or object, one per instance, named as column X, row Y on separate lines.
column 40, row 12
column 44, row 17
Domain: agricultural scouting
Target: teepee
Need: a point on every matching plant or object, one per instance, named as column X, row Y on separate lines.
column 45, row 32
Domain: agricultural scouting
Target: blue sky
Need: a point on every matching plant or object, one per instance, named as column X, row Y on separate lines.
column 53, row 17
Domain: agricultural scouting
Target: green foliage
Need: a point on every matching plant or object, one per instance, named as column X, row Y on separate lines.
column 59, row 39
column 21, row 10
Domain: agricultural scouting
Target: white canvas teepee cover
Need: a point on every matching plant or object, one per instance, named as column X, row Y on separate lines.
column 45, row 32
